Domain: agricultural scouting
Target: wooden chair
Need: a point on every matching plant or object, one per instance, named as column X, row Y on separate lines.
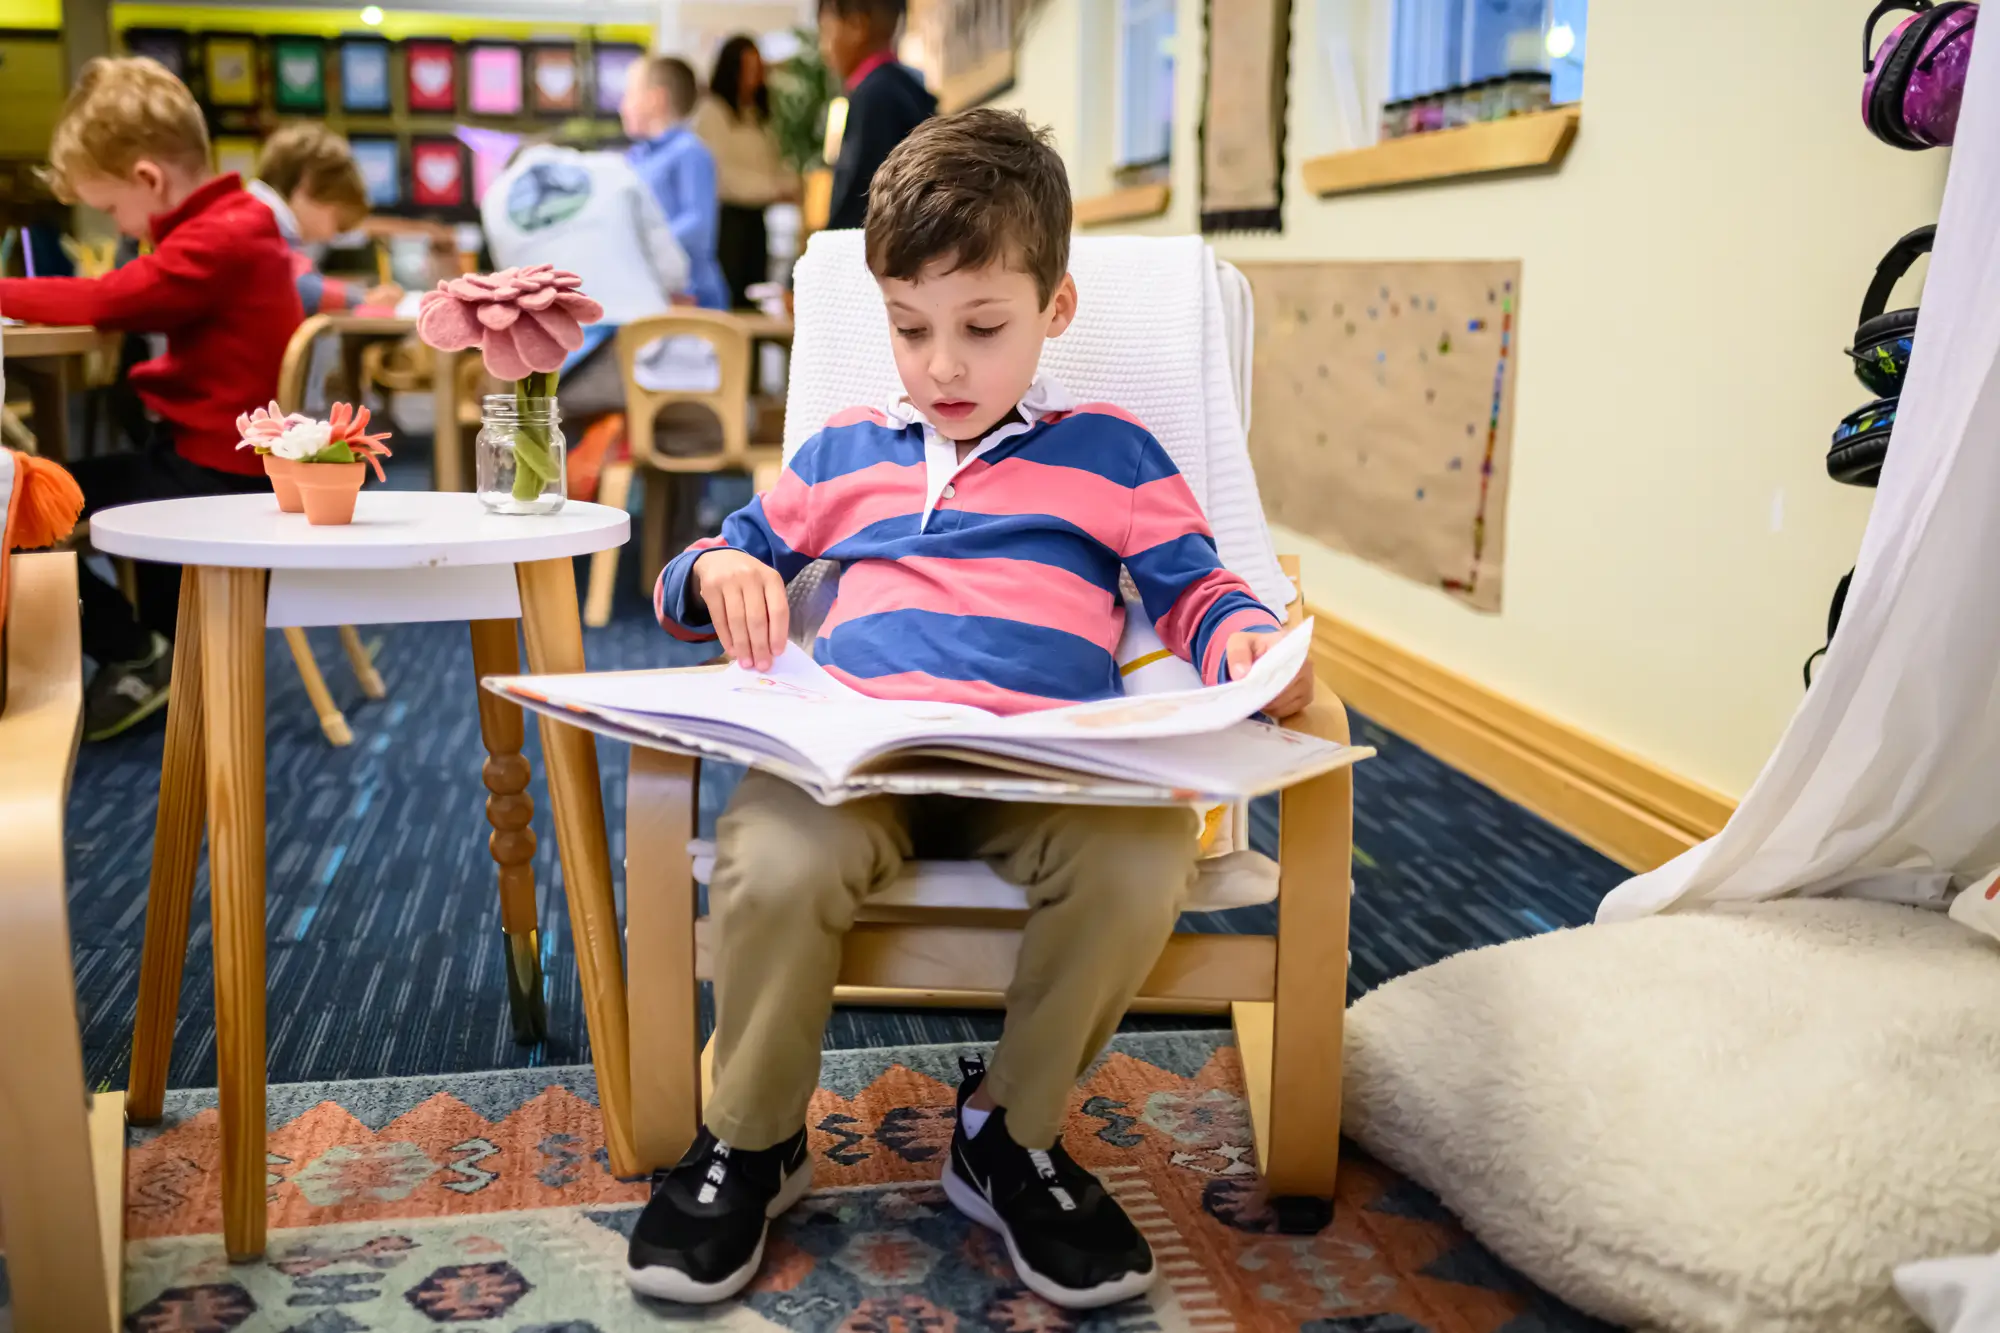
column 730, row 401
column 291, row 398
column 62, row 1151
column 1286, row 993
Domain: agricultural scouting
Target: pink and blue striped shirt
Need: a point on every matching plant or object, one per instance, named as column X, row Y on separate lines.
column 992, row 582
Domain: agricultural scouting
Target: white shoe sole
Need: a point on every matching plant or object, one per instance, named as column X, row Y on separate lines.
column 670, row 1284
column 975, row 1206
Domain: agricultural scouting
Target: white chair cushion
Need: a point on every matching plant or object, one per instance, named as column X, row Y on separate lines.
column 1728, row 1121
column 1152, row 334
column 1238, row 879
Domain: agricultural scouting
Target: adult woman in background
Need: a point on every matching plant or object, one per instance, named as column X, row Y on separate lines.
column 734, row 120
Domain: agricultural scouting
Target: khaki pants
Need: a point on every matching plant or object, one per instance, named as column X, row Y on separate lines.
column 1104, row 884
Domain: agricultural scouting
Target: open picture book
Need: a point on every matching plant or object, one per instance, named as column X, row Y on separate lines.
column 798, row 722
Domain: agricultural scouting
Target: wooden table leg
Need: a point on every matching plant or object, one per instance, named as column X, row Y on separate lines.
column 447, row 448
column 48, row 391
column 662, row 793
column 232, row 648
column 554, row 631
column 176, row 846
column 509, row 808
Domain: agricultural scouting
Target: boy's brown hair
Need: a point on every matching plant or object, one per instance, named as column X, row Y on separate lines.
column 124, row 110
column 676, row 76
column 972, row 189
column 313, row 158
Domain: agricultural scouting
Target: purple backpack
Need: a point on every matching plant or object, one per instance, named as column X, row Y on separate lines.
column 1916, row 80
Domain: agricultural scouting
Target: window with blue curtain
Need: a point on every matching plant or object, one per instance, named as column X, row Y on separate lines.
column 1145, row 82
column 1441, row 44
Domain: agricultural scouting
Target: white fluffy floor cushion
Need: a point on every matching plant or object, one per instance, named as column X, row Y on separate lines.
column 1736, row 1121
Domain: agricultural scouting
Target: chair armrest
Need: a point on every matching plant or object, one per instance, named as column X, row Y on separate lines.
column 1325, row 717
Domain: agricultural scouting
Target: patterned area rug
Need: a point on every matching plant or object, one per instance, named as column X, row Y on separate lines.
column 483, row 1200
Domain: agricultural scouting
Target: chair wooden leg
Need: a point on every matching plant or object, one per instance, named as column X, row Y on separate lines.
column 232, row 646
column 176, row 847
column 661, row 791
column 509, row 808
column 1308, row 1018
column 363, row 663
column 614, row 488
column 331, row 721
column 553, row 628
column 656, row 528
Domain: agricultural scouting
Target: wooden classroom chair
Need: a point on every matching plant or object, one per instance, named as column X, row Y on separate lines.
column 62, row 1150
column 950, row 933
column 731, row 402
column 292, row 398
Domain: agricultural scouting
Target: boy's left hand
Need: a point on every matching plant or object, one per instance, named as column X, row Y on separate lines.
column 1245, row 647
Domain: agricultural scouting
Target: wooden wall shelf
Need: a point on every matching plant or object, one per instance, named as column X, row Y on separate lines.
column 1540, row 139
column 1127, row 205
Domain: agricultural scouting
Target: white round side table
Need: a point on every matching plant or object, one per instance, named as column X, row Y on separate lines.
column 407, row 556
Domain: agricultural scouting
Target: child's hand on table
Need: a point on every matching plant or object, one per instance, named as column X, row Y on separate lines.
column 387, row 294
column 746, row 604
column 1245, row 647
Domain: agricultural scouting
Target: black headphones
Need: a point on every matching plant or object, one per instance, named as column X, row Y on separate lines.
column 1882, row 108
column 1881, row 356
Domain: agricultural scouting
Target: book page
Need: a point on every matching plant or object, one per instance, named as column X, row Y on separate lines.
column 809, row 716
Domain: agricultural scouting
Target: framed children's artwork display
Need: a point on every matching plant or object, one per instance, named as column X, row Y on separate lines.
column 381, row 163
column 364, row 75
column 554, row 82
column 614, row 64
column 230, row 64
column 977, row 58
column 430, row 75
column 168, row 47
column 438, row 176
column 298, row 74
column 493, row 79
column 235, row 152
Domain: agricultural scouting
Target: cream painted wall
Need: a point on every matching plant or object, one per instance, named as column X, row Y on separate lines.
column 1690, row 277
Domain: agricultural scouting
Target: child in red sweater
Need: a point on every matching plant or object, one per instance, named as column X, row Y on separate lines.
column 217, row 283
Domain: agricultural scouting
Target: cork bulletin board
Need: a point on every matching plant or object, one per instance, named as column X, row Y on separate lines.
column 1383, row 408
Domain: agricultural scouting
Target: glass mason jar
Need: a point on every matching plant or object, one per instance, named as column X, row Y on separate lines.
column 519, row 456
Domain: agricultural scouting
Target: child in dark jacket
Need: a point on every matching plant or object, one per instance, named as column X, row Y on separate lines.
column 217, row 283
column 885, row 100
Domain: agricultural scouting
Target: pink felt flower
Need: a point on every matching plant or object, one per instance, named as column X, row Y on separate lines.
column 260, row 426
column 523, row 320
column 348, row 425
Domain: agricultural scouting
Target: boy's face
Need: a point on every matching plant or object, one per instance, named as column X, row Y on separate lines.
column 131, row 202
column 643, row 110
column 968, row 341
column 845, row 41
column 319, row 222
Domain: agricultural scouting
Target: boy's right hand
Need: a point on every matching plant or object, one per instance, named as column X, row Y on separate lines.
column 746, row 604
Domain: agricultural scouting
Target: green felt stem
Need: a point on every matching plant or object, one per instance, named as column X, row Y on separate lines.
column 534, row 463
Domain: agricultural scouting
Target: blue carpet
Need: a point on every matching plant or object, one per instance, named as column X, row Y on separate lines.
column 385, row 953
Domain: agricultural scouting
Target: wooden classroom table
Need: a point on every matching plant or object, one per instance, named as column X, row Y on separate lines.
column 52, row 354
column 407, row 556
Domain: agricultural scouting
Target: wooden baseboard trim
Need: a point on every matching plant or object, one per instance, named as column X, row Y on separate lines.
column 1633, row 811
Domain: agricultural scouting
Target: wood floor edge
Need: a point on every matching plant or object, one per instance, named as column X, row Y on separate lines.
column 1632, row 811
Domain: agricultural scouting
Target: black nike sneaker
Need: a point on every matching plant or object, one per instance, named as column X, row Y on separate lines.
column 1070, row 1241
column 701, row 1236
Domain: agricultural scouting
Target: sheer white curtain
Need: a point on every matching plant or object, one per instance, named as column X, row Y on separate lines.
column 1887, row 782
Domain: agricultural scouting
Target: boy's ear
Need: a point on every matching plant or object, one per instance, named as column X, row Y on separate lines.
column 149, row 174
column 1062, row 306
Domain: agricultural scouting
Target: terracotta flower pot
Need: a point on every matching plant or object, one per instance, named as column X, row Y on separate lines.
column 329, row 490
column 283, row 473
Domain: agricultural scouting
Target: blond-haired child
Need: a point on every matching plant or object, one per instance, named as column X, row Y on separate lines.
column 217, row 282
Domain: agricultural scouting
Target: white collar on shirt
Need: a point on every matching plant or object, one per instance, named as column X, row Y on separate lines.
column 941, row 461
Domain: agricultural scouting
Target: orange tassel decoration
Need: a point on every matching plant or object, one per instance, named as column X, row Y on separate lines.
column 47, row 505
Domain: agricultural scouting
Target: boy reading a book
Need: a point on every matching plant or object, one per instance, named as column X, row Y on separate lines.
column 981, row 521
